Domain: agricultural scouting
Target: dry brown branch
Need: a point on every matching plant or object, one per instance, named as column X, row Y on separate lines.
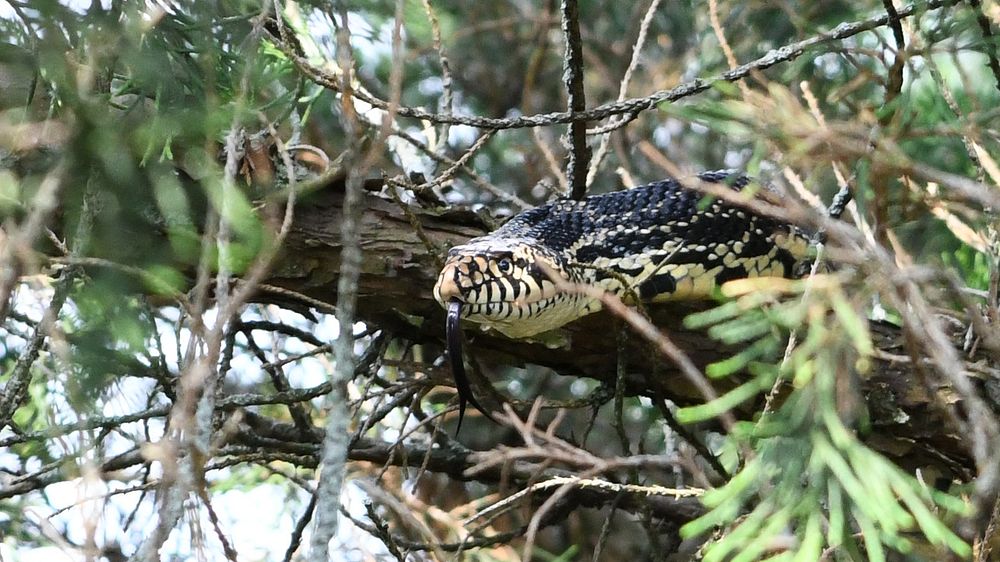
column 640, row 41
column 332, row 465
column 720, row 34
column 388, row 301
column 447, row 97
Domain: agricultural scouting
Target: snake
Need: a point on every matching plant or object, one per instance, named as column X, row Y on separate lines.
column 662, row 241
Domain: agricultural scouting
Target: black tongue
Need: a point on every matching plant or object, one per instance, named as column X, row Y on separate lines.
column 454, row 336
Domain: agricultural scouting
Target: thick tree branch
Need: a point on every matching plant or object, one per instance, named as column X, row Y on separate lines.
column 394, row 292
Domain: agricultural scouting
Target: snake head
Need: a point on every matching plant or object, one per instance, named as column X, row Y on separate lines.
column 505, row 284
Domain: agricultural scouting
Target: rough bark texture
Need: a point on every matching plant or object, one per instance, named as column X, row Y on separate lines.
column 398, row 274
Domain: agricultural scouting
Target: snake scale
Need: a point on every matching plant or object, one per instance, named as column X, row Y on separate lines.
column 658, row 241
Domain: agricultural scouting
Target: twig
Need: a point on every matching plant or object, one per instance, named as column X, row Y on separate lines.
column 16, row 390
column 720, row 35
column 550, row 159
column 606, row 527
column 621, row 365
column 383, row 533
column 633, row 63
column 782, row 54
column 335, row 442
column 604, row 485
column 15, row 243
column 226, row 404
column 579, row 154
column 300, row 528
column 476, row 178
column 280, row 382
column 895, row 83
column 692, row 440
column 262, row 264
column 897, row 29
column 227, row 547
column 395, row 96
column 457, row 547
column 989, row 43
column 404, row 514
column 460, row 163
column 985, row 543
column 295, row 295
column 650, row 332
column 979, row 423
column 447, row 97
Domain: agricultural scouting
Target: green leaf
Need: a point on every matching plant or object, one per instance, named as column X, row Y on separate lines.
column 748, row 528
column 837, row 529
column 852, row 323
column 932, row 527
column 725, row 502
column 720, row 405
column 812, row 540
column 741, row 329
column 699, row 320
column 763, row 347
column 873, row 542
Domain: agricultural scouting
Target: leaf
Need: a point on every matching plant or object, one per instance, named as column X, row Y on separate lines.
column 837, row 528
column 763, row 347
column 720, row 405
column 712, row 316
column 873, row 544
column 812, row 540
column 930, row 525
column 741, row 329
column 853, row 323
column 725, row 502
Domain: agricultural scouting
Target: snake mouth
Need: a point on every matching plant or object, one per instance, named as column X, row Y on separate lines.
column 497, row 295
column 454, row 338
column 502, row 310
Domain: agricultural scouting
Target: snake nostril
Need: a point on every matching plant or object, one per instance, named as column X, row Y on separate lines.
column 449, row 291
column 448, row 287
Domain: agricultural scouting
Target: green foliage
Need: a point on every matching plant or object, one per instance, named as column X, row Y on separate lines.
column 973, row 265
column 154, row 96
column 808, row 476
column 142, row 100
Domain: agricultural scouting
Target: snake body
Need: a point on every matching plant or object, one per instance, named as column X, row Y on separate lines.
column 658, row 241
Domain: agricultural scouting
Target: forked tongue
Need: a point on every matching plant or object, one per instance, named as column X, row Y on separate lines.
column 454, row 336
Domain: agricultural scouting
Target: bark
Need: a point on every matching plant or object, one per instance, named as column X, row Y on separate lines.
column 907, row 421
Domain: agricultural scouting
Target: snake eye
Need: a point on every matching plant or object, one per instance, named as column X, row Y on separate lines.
column 505, row 265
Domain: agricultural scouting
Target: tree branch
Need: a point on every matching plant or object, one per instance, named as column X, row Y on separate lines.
column 630, row 106
column 394, row 292
column 579, row 154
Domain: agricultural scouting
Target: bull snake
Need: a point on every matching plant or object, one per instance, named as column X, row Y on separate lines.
column 660, row 241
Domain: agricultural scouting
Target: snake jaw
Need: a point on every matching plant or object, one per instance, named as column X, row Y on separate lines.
column 454, row 338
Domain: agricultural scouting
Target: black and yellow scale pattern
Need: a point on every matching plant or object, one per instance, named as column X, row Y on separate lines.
column 662, row 239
